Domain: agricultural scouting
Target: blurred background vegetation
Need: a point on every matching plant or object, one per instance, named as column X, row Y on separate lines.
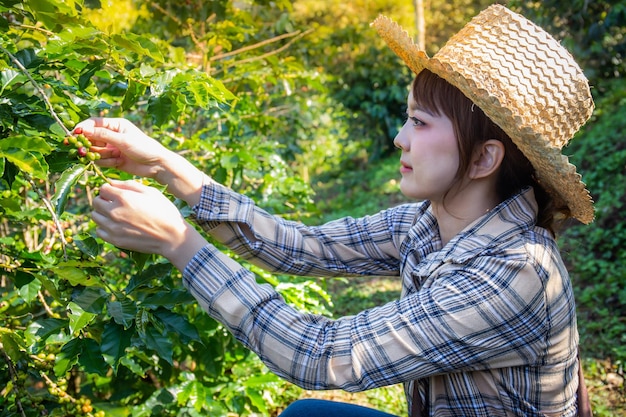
column 294, row 103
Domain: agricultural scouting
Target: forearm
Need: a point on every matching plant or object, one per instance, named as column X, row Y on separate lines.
column 182, row 178
column 230, row 294
column 181, row 253
column 350, row 247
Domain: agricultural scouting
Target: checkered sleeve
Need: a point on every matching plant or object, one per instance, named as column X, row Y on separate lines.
column 469, row 320
column 366, row 246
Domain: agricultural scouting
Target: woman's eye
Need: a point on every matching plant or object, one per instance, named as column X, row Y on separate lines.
column 416, row 121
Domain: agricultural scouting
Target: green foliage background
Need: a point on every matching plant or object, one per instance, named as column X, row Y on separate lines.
column 293, row 103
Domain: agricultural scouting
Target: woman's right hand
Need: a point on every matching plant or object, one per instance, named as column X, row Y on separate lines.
column 124, row 146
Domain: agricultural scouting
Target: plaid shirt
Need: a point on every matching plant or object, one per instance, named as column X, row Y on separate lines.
column 485, row 325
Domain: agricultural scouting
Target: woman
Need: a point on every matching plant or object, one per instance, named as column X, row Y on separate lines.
column 486, row 324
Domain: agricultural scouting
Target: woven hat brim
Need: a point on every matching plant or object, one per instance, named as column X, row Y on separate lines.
column 553, row 170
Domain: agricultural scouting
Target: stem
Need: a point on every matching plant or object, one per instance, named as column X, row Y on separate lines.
column 297, row 35
column 50, row 209
column 53, row 384
column 37, row 28
column 99, row 172
column 45, row 305
column 14, row 379
column 38, row 88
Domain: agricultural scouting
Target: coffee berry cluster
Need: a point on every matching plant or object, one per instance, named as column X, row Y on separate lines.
column 81, row 147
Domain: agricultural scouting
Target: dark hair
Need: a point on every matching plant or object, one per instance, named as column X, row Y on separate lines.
column 471, row 128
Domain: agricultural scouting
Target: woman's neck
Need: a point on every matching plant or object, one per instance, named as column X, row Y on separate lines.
column 461, row 209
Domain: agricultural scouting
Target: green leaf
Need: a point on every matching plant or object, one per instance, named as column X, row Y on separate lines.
column 88, row 245
column 79, row 318
column 167, row 298
column 140, row 45
column 178, row 324
column 123, row 311
column 67, row 357
column 153, row 272
column 50, row 12
column 26, row 143
column 133, row 365
column 161, row 399
column 140, row 259
column 115, row 341
column 160, row 343
column 193, row 393
column 76, row 276
column 12, row 205
column 257, row 400
column 21, row 278
column 8, row 77
column 262, row 380
column 162, row 109
column 229, row 161
column 91, row 299
column 12, row 344
column 64, row 186
column 88, row 72
column 31, row 163
column 40, row 330
column 142, row 320
column 134, row 91
column 28, row 58
column 29, row 291
column 69, row 35
column 91, row 358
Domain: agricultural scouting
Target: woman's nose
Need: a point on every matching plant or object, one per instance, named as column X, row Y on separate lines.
column 400, row 141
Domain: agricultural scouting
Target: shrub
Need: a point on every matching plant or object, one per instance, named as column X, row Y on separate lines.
column 596, row 252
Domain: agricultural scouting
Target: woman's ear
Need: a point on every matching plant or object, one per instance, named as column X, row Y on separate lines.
column 487, row 159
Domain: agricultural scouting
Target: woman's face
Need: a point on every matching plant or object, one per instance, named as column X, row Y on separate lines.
column 430, row 155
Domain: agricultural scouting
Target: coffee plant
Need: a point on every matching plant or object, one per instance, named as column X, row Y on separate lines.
column 86, row 328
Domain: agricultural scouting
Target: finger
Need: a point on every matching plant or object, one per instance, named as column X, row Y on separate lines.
column 99, row 218
column 110, row 191
column 106, row 151
column 101, row 205
column 117, row 191
column 109, row 162
column 103, row 136
column 111, row 123
column 105, row 234
column 109, row 157
column 106, row 130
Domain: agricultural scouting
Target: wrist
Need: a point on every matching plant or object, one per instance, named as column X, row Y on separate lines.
column 182, row 250
column 183, row 179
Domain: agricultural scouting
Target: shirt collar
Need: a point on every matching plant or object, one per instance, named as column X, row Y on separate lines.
column 511, row 217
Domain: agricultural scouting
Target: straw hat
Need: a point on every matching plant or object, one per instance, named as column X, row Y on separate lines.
column 524, row 81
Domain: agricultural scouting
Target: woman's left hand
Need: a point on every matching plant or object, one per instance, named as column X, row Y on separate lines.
column 140, row 218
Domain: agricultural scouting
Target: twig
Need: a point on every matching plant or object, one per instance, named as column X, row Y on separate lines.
column 99, row 173
column 53, row 384
column 50, row 209
column 13, row 378
column 20, row 25
column 167, row 13
column 38, row 88
column 45, row 305
column 274, row 52
column 260, row 44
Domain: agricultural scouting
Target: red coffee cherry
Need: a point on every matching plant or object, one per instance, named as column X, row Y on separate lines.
column 82, row 151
